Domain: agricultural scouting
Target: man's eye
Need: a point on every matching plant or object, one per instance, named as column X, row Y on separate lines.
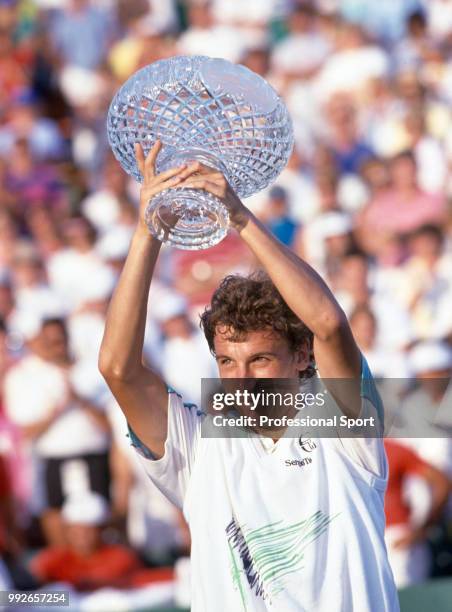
column 261, row 358
column 225, row 361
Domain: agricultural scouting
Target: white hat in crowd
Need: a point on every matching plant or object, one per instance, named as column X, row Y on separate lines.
column 87, row 508
column 430, row 356
column 167, row 305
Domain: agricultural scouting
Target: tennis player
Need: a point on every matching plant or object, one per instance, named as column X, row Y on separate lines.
column 283, row 524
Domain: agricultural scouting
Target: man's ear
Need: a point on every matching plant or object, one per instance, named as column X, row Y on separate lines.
column 302, row 357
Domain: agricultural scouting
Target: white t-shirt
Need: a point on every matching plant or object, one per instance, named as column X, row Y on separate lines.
column 286, row 528
column 33, row 388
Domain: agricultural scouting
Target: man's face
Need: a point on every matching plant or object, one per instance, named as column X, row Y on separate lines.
column 261, row 354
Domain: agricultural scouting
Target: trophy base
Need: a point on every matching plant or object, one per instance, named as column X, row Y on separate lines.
column 189, row 219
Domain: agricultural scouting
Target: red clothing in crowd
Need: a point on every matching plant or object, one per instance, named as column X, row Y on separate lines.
column 5, row 492
column 403, row 462
column 108, row 566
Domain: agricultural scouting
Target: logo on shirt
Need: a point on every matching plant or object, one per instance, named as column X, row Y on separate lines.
column 307, row 444
column 298, row 462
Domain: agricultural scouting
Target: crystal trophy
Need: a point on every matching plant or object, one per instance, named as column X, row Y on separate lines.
column 205, row 109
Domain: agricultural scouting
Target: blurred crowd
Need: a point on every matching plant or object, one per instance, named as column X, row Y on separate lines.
column 365, row 199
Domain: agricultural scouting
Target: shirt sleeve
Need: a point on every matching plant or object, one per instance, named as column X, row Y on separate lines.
column 369, row 452
column 171, row 473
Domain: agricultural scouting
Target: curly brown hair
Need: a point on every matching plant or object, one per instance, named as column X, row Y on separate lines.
column 250, row 303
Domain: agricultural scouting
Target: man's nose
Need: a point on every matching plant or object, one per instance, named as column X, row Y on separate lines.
column 243, row 370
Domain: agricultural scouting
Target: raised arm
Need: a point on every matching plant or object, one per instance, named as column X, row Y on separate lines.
column 140, row 392
column 336, row 353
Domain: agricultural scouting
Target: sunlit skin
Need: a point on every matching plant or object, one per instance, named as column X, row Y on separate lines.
column 261, row 354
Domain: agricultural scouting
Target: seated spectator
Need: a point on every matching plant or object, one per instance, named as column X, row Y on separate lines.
column 401, row 209
column 276, row 216
column 68, row 268
column 32, row 184
column 305, row 49
column 81, row 33
column 425, row 282
column 31, row 290
column 428, row 152
column 66, row 435
column 182, row 340
column 85, row 561
column 205, row 37
column 406, row 542
column 383, row 363
column 425, row 415
column 347, row 144
column 353, row 63
column 354, row 288
column 416, row 47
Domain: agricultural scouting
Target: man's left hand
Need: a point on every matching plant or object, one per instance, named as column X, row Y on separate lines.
column 200, row 176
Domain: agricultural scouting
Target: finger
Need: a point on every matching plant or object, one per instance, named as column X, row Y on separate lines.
column 153, row 190
column 203, row 169
column 149, row 164
column 163, row 176
column 202, row 182
column 139, row 156
column 199, row 168
column 193, row 169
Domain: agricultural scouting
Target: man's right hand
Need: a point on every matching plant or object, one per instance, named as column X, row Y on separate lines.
column 155, row 183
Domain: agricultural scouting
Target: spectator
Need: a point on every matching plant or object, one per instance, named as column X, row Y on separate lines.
column 32, row 184
column 85, row 562
column 425, row 283
column 305, row 49
column 81, row 34
column 205, row 37
column 383, row 362
column 65, row 434
column 69, row 267
column 180, row 341
column 348, row 148
column 277, row 218
column 425, row 413
column 354, row 289
column 406, row 542
column 402, row 208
